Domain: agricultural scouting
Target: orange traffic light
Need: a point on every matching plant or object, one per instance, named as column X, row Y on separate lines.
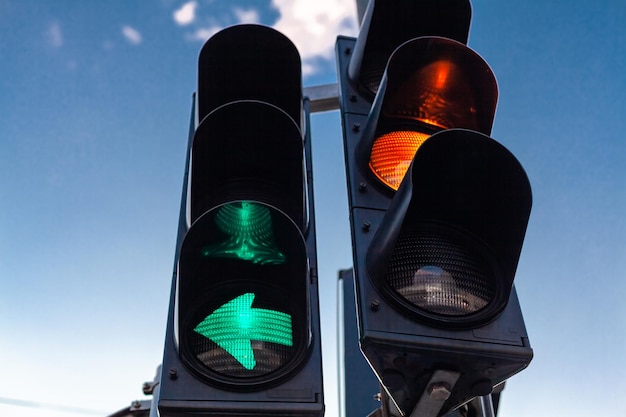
column 431, row 84
column 392, row 154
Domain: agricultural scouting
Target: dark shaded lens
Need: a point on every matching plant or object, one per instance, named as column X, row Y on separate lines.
column 440, row 274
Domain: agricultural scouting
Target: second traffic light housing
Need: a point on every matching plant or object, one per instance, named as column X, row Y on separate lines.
column 438, row 209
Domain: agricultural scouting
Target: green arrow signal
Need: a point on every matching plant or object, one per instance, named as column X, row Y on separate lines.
column 235, row 324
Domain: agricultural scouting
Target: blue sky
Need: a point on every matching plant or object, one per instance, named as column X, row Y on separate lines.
column 94, row 109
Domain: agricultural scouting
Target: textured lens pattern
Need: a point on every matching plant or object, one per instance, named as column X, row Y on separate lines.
column 250, row 234
column 439, row 275
column 438, row 94
column 268, row 357
column 239, row 340
column 392, row 154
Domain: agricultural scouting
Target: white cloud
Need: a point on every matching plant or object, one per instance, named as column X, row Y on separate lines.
column 131, row 34
column 247, row 16
column 186, row 14
column 313, row 26
column 54, row 36
column 202, row 34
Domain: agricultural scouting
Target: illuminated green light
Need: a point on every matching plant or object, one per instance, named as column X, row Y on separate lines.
column 249, row 226
column 235, row 324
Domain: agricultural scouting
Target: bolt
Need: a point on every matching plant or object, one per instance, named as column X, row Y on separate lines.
column 366, row 226
column 353, row 98
column 347, row 51
column 356, row 127
column 375, row 305
column 439, row 391
column 173, row 373
column 147, row 388
column 362, row 187
column 136, row 404
column 378, row 396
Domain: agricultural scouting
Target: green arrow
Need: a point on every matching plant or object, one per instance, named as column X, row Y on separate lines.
column 235, row 324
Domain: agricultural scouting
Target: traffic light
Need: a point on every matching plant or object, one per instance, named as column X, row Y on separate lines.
column 438, row 209
column 243, row 335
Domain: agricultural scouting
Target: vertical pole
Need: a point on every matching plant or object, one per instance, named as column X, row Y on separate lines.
column 486, row 406
column 358, row 387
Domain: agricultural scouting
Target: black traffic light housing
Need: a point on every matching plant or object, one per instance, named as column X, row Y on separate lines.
column 243, row 334
column 436, row 247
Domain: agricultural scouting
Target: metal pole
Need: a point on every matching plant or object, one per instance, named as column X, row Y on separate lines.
column 358, row 385
column 323, row 97
column 486, row 406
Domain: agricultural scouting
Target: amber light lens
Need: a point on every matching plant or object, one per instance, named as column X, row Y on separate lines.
column 392, row 154
column 435, row 91
column 438, row 94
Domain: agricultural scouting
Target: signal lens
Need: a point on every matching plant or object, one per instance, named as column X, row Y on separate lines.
column 245, row 272
column 434, row 84
column 438, row 93
column 236, row 333
column 251, row 236
column 440, row 274
column 392, row 154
